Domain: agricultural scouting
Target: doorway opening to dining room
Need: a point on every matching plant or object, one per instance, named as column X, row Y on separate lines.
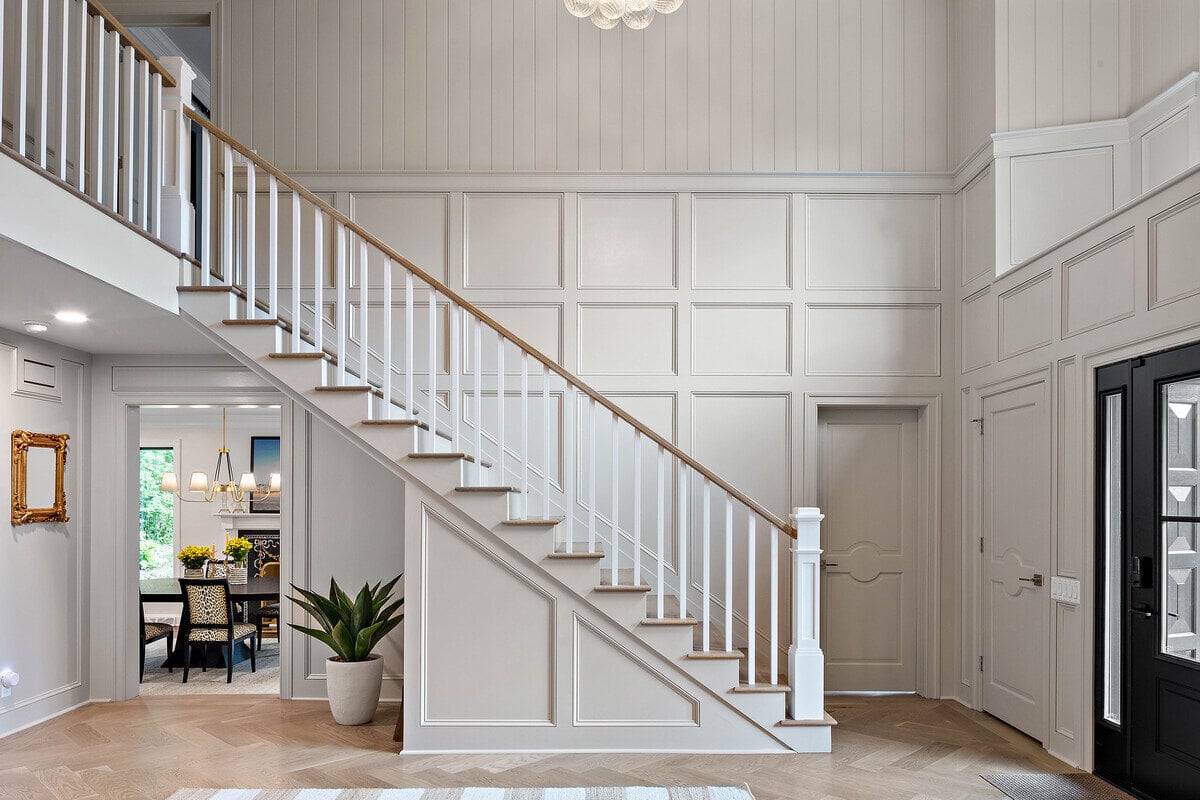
column 209, row 486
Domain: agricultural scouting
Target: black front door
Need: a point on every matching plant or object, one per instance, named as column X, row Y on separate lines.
column 1148, row 570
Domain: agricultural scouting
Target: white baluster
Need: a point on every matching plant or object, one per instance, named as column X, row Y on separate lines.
column 205, row 245
column 272, row 247
column 456, row 379
column 364, row 313
column 127, row 122
column 3, row 83
column 318, row 280
column 227, row 268
column 477, row 352
column 751, row 628
column 501, row 447
column 98, row 108
column 387, row 338
column 251, row 268
column 706, row 579
column 728, row 574
column 774, row 633
column 19, row 132
column 614, row 556
column 433, row 370
column 683, row 557
column 339, row 313
column 410, row 368
column 637, row 508
column 113, row 104
column 295, row 281
column 525, row 454
column 547, row 436
column 662, row 531
column 64, row 74
column 570, row 432
column 592, row 476
column 44, row 85
column 156, row 160
column 143, row 150
column 85, row 53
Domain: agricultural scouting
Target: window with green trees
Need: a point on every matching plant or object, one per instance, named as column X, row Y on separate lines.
column 157, row 514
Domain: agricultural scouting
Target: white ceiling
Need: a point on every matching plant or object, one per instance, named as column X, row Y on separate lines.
column 33, row 286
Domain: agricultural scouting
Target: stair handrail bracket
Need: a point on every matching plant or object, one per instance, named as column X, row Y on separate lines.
column 806, row 662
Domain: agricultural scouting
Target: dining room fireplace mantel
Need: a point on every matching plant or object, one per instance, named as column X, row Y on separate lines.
column 260, row 528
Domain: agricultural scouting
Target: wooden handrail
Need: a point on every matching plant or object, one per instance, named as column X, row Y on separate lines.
column 449, row 293
column 129, row 40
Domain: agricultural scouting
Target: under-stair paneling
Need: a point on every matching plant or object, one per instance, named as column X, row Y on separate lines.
column 515, row 85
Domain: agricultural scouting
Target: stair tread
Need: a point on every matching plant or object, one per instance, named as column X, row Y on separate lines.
column 762, row 687
column 668, row 621
column 485, row 489
column 443, row 456
column 623, row 587
column 312, row 356
column 807, row 723
column 716, row 655
column 580, row 550
column 264, row 321
column 201, row 289
column 359, row 389
column 532, row 523
column 400, row 423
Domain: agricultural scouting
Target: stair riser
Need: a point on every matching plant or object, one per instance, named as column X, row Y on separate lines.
column 533, row 543
column 211, row 308
column 803, row 739
column 346, row 408
column 442, row 477
column 627, row 609
column 251, row 338
column 299, row 374
column 720, row 675
column 670, row 640
column 394, row 443
column 483, row 507
column 767, row 709
column 580, row 575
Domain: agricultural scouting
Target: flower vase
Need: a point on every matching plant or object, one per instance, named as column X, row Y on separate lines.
column 238, row 574
column 190, row 573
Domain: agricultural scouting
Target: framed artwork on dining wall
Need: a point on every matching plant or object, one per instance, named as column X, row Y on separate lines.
column 264, row 460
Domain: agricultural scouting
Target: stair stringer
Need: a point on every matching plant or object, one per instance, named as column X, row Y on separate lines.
column 434, row 482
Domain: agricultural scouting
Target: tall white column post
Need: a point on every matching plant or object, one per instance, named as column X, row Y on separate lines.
column 177, row 226
column 806, row 662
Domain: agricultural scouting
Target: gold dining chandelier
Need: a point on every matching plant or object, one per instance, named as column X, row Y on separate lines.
column 606, row 14
column 234, row 495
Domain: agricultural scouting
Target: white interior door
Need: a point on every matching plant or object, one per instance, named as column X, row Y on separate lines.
column 869, row 490
column 1016, row 511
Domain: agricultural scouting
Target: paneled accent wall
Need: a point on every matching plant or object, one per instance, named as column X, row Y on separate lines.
column 721, row 85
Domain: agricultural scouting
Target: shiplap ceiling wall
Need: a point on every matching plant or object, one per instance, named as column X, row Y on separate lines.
column 726, row 85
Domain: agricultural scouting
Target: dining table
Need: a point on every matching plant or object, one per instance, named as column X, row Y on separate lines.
column 166, row 590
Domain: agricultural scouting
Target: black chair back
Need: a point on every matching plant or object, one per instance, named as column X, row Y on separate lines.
column 207, row 603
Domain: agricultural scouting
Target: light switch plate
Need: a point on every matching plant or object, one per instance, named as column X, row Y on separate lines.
column 1064, row 590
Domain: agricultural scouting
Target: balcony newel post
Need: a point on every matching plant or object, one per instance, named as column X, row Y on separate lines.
column 806, row 662
column 177, row 228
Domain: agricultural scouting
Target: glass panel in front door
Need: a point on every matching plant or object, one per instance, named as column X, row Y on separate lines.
column 1113, row 575
column 1180, row 579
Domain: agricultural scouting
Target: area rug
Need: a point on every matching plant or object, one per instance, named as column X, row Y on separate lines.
column 610, row 793
column 1075, row 786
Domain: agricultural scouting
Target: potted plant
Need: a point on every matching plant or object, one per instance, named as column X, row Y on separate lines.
column 238, row 549
column 352, row 628
column 194, row 557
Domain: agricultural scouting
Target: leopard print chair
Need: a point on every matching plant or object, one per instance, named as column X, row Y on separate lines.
column 152, row 632
column 208, row 619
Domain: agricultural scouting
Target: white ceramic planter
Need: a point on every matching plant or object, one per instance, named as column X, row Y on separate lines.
column 353, row 688
column 193, row 573
column 238, row 575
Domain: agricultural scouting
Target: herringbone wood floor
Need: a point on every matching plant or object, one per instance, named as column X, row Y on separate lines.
column 883, row 749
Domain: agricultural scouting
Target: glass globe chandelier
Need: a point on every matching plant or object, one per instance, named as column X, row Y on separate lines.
column 608, row 14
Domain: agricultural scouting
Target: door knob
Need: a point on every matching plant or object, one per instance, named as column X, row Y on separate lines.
column 1036, row 580
column 825, row 563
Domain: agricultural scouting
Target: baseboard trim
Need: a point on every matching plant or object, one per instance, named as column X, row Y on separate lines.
column 49, row 717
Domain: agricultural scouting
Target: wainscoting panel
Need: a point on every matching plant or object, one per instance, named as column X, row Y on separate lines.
column 978, row 330
column 513, row 241
column 415, row 225
column 872, row 242
column 1054, row 194
column 540, row 324
column 873, row 339
column 746, row 439
column 979, row 226
column 627, row 241
column 1026, row 316
column 741, row 241
column 627, row 339
column 1098, row 285
column 1166, row 150
column 741, row 339
column 1174, row 240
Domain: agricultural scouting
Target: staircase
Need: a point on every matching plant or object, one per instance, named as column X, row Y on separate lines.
column 569, row 572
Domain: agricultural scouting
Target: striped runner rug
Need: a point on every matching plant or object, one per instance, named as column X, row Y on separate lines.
column 607, row 793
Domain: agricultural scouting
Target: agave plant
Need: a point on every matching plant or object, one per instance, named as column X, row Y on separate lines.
column 351, row 628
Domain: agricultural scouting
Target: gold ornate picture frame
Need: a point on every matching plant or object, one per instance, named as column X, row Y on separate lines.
column 22, row 441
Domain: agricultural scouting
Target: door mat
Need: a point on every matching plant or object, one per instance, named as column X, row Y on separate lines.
column 489, row 793
column 1074, row 786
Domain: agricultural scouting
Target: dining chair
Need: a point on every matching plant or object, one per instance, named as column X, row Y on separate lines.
column 269, row 611
column 208, row 619
column 152, row 632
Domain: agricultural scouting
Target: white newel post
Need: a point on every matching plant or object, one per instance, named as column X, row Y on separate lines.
column 177, row 228
column 806, row 662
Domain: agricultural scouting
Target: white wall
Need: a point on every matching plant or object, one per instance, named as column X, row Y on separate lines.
column 1164, row 45
column 43, row 573
column 521, row 85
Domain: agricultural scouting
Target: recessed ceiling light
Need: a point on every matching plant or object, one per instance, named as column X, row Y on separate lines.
column 35, row 326
column 73, row 317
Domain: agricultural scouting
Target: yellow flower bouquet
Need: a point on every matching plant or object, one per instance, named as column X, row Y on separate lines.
column 194, row 556
column 238, row 549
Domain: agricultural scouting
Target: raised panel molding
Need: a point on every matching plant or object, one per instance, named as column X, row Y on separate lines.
column 1025, row 316
column 458, row 577
column 539, row 324
column 979, row 226
column 415, row 225
column 513, row 241
column 1165, row 150
column 897, row 339
column 741, row 241
column 978, row 330
column 1051, row 195
column 746, row 438
column 36, row 375
column 747, row 339
column 1068, row 669
column 627, row 241
column 1174, row 241
column 613, row 686
column 873, row 242
column 627, row 339
column 1098, row 285
column 657, row 410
